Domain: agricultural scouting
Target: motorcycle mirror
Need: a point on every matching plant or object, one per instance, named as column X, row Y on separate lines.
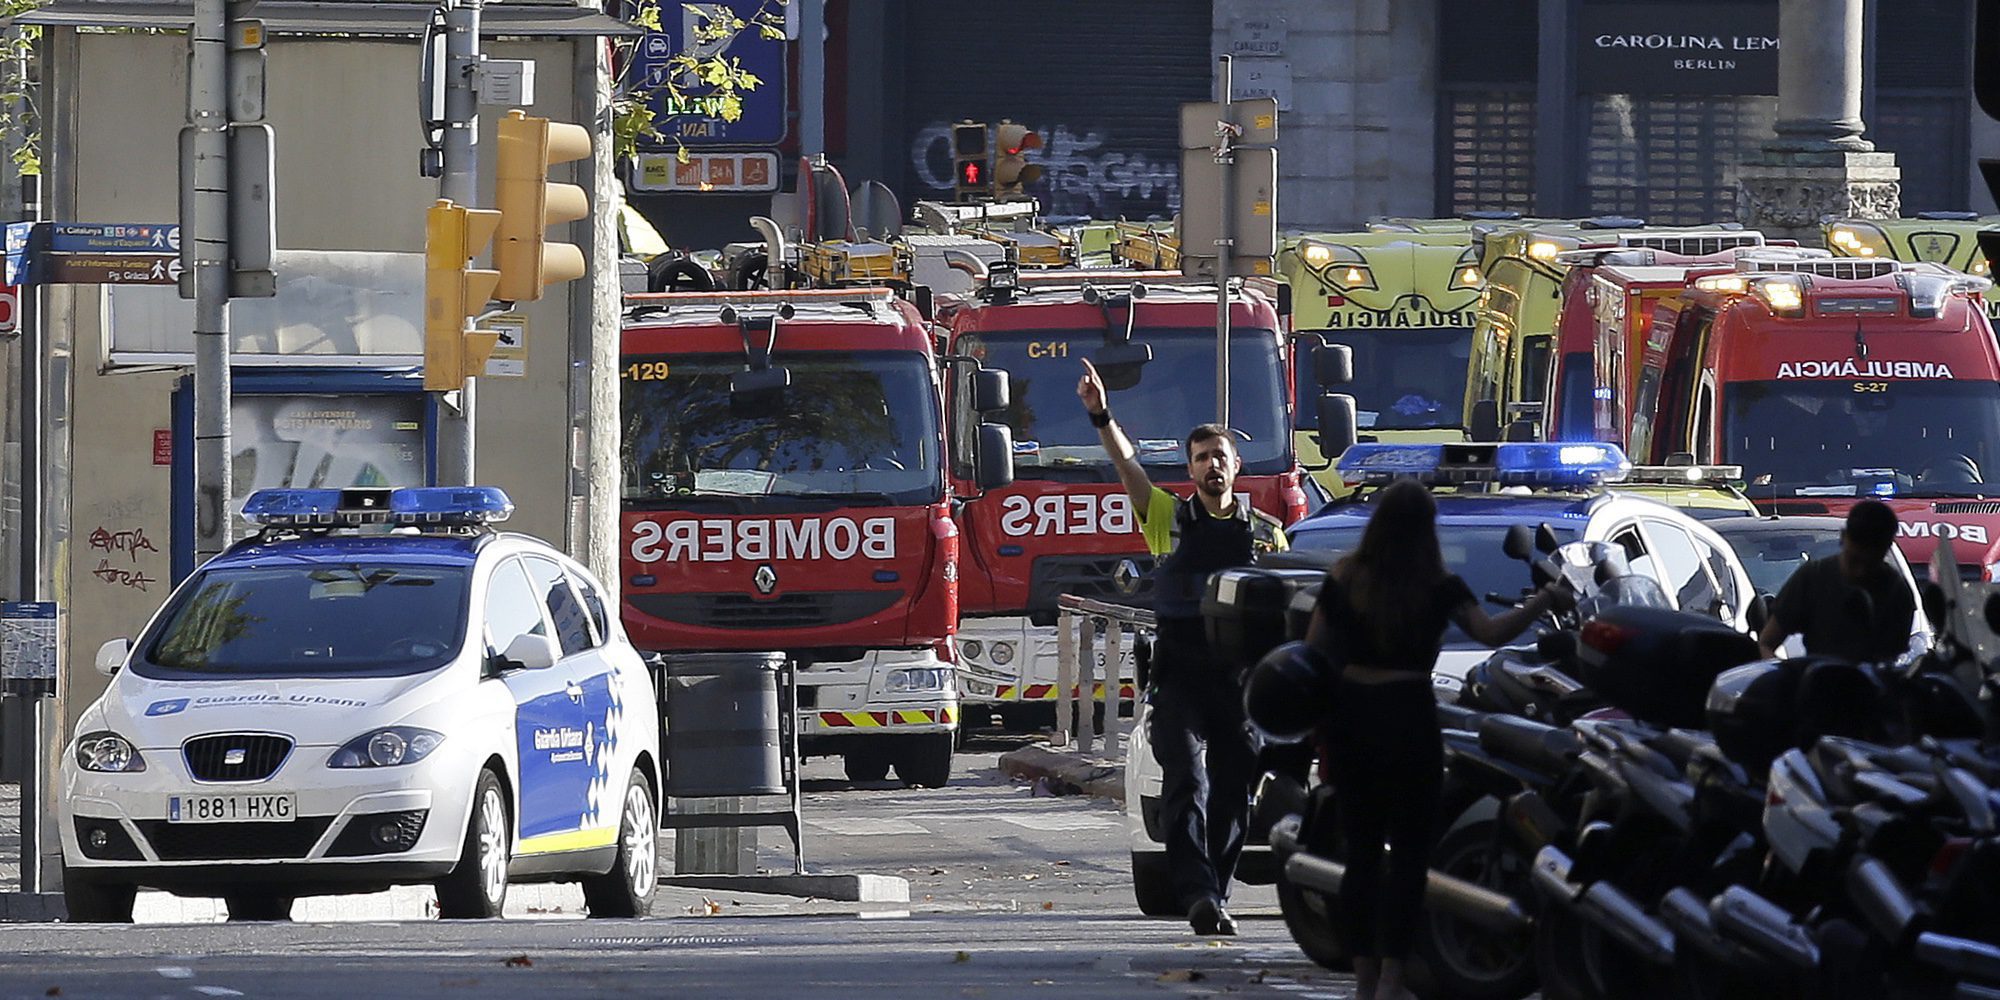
column 1519, row 542
column 1545, row 539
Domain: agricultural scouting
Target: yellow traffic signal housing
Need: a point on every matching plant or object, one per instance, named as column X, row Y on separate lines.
column 971, row 167
column 529, row 203
column 455, row 291
column 1011, row 168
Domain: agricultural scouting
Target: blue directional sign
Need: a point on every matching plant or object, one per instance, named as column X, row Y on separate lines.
column 694, row 118
column 114, row 237
column 20, row 258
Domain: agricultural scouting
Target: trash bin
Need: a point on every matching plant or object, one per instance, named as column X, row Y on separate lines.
column 723, row 724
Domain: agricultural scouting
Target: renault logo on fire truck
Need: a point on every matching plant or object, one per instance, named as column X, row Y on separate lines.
column 763, row 538
column 766, row 579
column 1127, row 576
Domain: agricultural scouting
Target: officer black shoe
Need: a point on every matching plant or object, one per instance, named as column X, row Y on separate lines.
column 1209, row 919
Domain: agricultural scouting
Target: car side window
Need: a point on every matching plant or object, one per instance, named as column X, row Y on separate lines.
column 1636, row 554
column 1718, row 569
column 512, row 608
column 593, row 602
column 572, row 622
column 1684, row 576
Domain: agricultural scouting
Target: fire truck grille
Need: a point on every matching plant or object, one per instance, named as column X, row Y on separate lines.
column 1827, row 268
column 798, row 609
column 235, row 756
column 233, row 841
column 1693, row 244
column 1096, row 577
column 1968, row 507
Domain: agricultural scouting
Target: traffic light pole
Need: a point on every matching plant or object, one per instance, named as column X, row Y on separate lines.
column 460, row 184
column 1225, row 156
column 205, row 191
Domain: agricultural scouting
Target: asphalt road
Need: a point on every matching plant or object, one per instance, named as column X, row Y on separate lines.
column 1012, row 893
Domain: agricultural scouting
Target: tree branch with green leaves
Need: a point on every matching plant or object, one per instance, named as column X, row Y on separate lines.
column 698, row 81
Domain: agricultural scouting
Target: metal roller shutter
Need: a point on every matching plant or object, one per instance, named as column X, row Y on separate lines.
column 1101, row 82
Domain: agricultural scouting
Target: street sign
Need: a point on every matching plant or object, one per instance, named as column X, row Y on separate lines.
column 113, row 237
column 696, row 119
column 20, row 258
column 510, row 353
column 706, row 172
column 10, row 309
column 1253, row 203
column 28, row 640
column 109, row 269
column 1258, row 119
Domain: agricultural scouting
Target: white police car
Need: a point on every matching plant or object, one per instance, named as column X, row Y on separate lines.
column 377, row 689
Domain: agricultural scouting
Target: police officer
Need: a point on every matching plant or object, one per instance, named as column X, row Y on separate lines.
column 1197, row 722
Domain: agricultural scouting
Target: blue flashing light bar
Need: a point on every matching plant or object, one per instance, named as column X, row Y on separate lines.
column 454, row 506
column 1514, row 464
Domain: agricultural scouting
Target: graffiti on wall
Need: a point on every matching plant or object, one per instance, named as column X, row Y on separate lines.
column 122, row 546
column 1086, row 173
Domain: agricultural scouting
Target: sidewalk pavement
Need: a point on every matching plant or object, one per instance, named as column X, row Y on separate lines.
column 1066, row 771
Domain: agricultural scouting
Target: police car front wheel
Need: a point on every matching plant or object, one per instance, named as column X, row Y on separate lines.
column 477, row 888
column 90, row 901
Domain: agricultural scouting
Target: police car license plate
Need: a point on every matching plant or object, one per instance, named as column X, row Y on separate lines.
column 232, row 809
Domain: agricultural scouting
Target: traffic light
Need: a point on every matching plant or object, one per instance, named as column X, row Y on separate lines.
column 455, row 291
column 970, row 170
column 529, row 203
column 1011, row 168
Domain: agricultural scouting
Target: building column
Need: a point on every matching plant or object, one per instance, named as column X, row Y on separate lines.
column 1817, row 164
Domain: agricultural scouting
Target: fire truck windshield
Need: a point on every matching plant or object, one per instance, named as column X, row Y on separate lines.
column 1175, row 392
column 1403, row 379
column 858, row 426
column 1822, row 436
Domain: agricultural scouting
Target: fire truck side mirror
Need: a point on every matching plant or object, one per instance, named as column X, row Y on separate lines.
column 1484, row 424
column 1337, row 424
column 1333, row 364
column 926, row 302
column 990, row 392
column 993, row 462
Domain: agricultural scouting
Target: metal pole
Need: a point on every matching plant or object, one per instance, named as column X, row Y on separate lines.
column 1086, row 685
column 1065, row 673
column 208, row 115
column 31, row 792
column 460, row 184
column 1224, row 158
column 812, row 70
column 1114, row 685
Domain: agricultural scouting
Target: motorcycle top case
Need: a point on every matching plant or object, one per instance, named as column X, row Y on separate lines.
column 1658, row 664
column 1759, row 710
column 1246, row 609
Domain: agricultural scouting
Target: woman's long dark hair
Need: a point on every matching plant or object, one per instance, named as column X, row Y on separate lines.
column 1392, row 574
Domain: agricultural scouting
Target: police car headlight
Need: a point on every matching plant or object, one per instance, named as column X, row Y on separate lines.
column 110, row 752
column 917, row 679
column 1003, row 653
column 971, row 648
column 386, row 747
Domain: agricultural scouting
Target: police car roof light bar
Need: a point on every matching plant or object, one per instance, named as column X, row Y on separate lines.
column 1513, row 464
column 1692, row 475
column 450, row 506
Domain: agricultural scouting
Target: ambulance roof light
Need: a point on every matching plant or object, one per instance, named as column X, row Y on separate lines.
column 1551, row 465
column 452, row 506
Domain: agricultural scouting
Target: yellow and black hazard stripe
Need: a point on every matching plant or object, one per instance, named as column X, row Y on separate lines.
column 1047, row 692
column 888, row 719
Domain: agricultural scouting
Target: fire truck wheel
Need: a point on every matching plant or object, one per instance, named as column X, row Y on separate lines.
column 925, row 761
column 867, row 764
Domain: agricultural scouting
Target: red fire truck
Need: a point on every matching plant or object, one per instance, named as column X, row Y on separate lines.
column 1065, row 525
column 786, row 487
column 1833, row 379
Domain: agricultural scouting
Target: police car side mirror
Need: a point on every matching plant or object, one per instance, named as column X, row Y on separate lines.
column 111, row 656
column 530, row 652
column 990, row 392
column 993, row 461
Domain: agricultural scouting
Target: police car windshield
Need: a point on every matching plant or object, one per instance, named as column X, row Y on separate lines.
column 311, row 619
column 1837, row 438
column 1175, row 391
column 1403, row 379
column 1771, row 557
column 860, row 425
column 1471, row 550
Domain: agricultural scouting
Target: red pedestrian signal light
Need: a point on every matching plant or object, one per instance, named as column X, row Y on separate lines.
column 970, row 176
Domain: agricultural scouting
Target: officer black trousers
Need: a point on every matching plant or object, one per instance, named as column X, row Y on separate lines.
column 1206, row 767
